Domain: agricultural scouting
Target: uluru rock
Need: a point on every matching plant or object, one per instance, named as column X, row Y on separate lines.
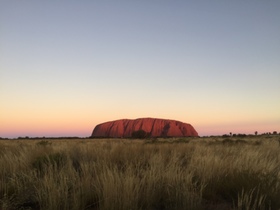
column 153, row 126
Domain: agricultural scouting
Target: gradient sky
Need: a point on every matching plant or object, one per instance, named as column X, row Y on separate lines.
column 66, row 66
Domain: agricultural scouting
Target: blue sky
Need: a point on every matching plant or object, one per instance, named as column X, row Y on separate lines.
column 66, row 66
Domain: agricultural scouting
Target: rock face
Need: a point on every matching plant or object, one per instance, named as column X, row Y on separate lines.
column 153, row 126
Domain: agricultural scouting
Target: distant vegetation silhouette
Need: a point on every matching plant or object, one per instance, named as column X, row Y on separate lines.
column 140, row 134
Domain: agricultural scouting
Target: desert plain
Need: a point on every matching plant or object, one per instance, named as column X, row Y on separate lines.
column 238, row 172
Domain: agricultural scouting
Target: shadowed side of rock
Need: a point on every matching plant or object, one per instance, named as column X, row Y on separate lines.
column 153, row 126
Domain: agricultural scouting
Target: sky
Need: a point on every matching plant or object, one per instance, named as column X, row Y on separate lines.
column 66, row 66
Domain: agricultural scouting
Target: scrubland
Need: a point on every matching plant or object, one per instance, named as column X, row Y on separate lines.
column 218, row 173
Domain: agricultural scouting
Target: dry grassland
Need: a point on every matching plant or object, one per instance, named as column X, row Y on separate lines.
column 216, row 173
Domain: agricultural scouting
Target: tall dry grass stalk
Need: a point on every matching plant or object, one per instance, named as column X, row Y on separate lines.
column 205, row 173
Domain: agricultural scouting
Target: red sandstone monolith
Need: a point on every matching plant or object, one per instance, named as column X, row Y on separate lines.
column 152, row 126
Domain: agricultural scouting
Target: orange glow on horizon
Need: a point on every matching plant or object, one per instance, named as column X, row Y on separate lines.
column 79, row 128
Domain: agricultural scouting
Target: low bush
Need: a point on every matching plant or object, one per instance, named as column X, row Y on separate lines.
column 139, row 134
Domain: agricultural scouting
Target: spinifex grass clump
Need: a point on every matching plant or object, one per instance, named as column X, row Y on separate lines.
column 56, row 160
column 126, row 174
column 246, row 189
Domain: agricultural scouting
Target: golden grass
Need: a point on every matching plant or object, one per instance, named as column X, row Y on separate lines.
column 192, row 173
